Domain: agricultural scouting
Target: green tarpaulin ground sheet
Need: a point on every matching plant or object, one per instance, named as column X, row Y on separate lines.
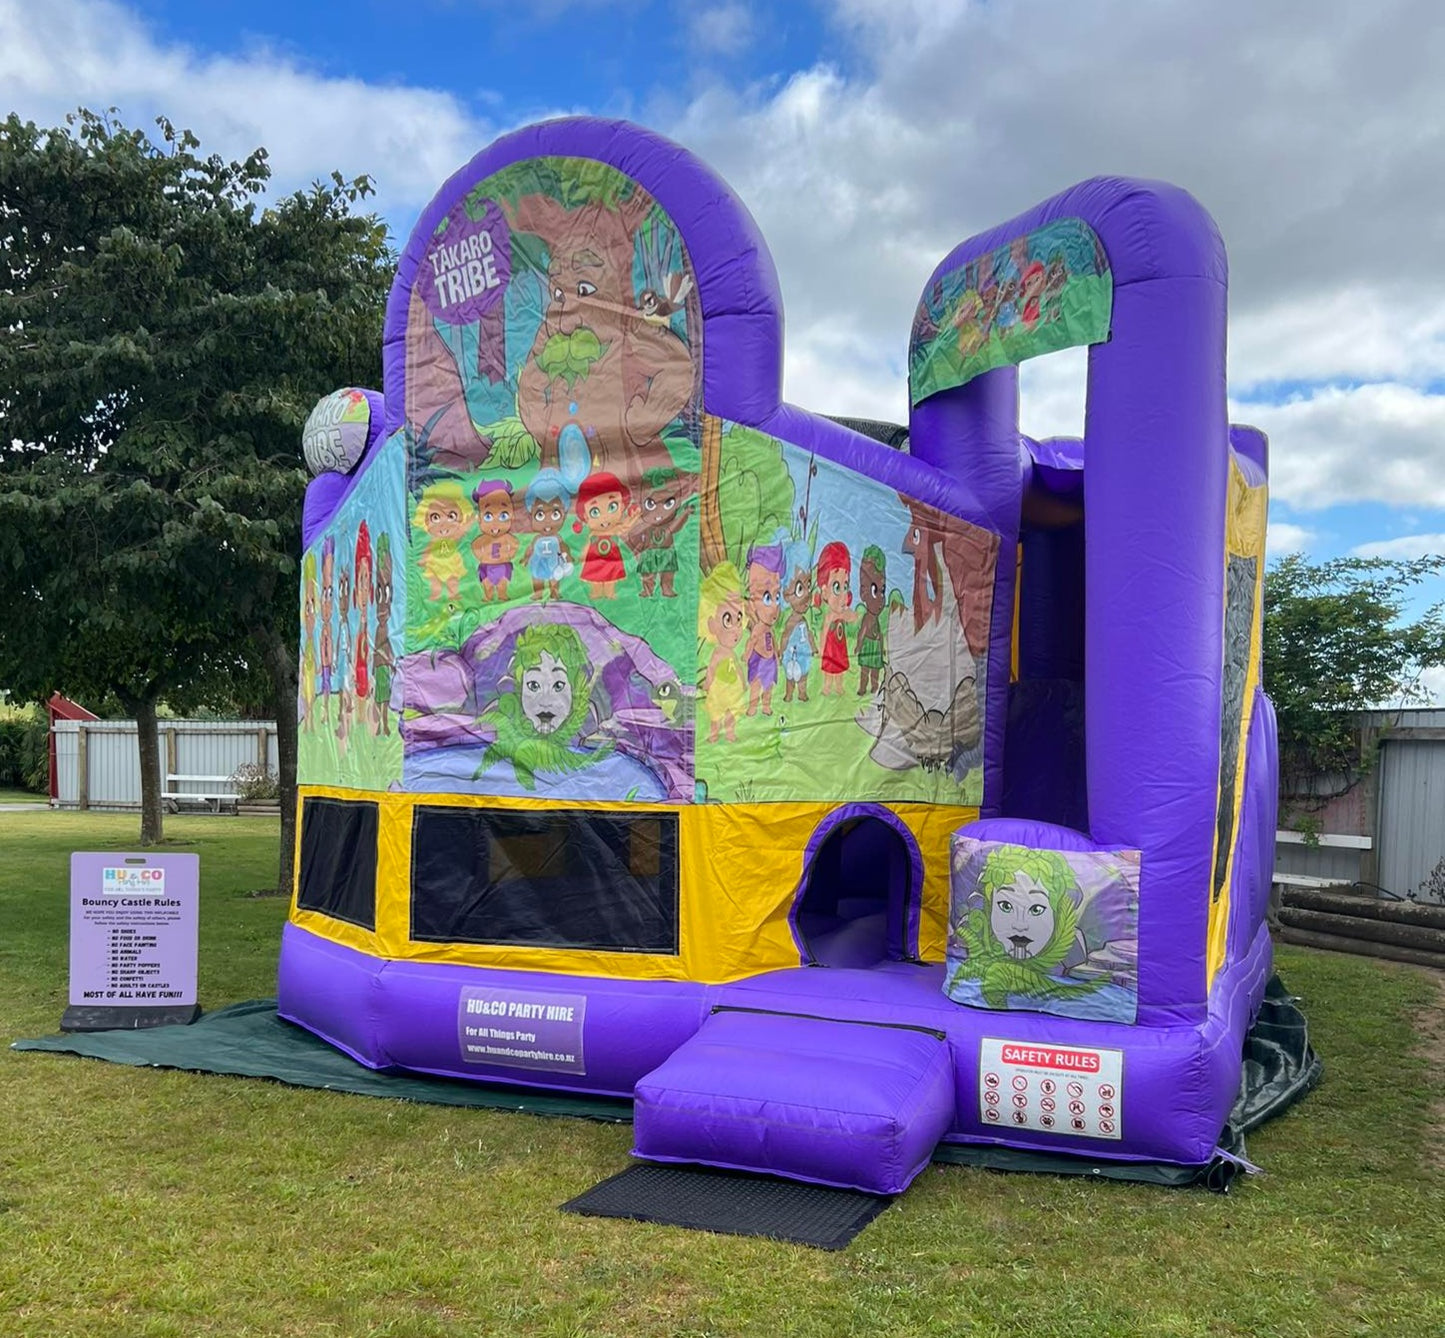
column 249, row 1040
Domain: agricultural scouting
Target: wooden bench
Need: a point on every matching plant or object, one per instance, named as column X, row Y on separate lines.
column 213, row 796
column 1308, row 880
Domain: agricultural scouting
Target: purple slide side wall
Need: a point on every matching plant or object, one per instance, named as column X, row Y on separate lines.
column 972, row 431
column 1155, row 443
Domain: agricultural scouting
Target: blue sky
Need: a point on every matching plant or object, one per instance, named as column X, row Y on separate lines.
column 869, row 136
column 612, row 59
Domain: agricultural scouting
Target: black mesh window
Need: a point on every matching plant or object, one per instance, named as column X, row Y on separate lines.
column 559, row 879
column 338, row 860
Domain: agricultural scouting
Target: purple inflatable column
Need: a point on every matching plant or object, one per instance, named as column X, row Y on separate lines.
column 972, row 434
column 1155, row 490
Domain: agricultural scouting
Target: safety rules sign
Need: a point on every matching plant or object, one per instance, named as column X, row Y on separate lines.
column 1058, row 1089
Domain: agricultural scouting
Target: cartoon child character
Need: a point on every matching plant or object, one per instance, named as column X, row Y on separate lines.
column 343, row 655
column 328, row 597
column 361, row 601
column 799, row 643
column 1033, row 284
column 653, row 536
column 971, row 333
column 765, row 604
column 1055, row 277
column 539, row 722
column 495, row 544
column 548, row 500
column 444, row 514
column 384, row 659
column 835, row 567
column 308, row 643
column 602, row 506
column 720, row 623
column 1018, row 940
column 873, row 591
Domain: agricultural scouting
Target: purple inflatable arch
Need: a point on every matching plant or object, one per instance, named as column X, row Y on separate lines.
column 1027, row 910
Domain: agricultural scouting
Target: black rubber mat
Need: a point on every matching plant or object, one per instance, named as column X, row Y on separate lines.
column 732, row 1203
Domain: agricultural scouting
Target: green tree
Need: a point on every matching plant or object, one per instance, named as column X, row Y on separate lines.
column 165, row 337
column 1337, row 641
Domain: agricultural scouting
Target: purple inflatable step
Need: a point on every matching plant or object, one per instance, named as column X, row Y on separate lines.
column 855, row 1104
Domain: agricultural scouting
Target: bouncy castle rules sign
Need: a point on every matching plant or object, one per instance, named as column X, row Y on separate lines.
column 133, row 949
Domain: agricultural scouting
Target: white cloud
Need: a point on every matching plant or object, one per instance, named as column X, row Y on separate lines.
column 719, row 30
column 1372, row 443
column 56, row 56
column 1052, row 394
column 1314, row 133
column 1283, row 537
column 1405, row 548
column 1314, row 130
column 1433, row 681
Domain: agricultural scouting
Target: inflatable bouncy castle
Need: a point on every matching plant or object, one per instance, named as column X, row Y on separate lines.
column 833, row 789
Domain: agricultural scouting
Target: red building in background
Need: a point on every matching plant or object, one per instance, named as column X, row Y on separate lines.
column 62, row 708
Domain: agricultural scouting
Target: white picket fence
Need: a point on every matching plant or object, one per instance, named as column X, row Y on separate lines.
column 97, row 762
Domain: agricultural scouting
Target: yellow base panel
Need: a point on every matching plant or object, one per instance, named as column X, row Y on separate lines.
column 740, row 868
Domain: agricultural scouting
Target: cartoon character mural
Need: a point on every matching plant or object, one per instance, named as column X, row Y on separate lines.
column 361, row 598
column 354, row 608
column 930, row 711
column 344, row 666
column 384, row 660
column 547, row 700
column 800, row 528
column 663, row 511
column 1046, row 930
column 765, row 601
column 636, row 374
column 495, row 544
column 328, row 645
column 800, row 646
column 873, row 591
column 307, row 693
column 1049, row 290
column 540, row 722
column 604, row 511
column 720, row 626
column 835, row 575
column 548, row 560
column 445, row 515
column 553, row 391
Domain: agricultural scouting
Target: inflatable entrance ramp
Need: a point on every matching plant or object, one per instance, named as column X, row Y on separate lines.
column 836, row 792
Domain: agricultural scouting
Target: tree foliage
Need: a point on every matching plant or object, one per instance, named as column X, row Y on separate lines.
column 165, row 336
column 1337, row 641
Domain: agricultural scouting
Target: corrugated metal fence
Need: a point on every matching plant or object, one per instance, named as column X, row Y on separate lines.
column 1412, row 817
column 1388, row 829
column 98, row 761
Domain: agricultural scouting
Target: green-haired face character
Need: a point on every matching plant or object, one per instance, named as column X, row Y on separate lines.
column 1019, row 939
column 540, row 720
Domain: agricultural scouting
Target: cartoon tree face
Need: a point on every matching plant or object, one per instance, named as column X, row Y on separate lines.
column 1022, row 917
column 546, row 690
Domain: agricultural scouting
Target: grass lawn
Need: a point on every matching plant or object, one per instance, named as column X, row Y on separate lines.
column 141, row 1202
column 8, row 795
